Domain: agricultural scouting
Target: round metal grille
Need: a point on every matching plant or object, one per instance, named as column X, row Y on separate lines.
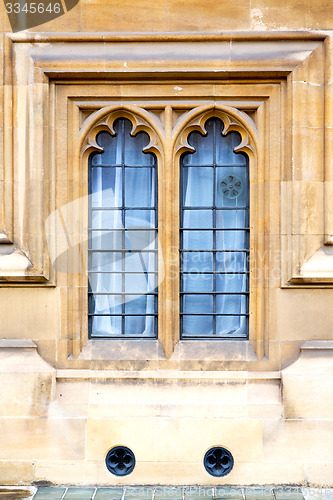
column 231, row 186
column 120, row 461
column 218, row 461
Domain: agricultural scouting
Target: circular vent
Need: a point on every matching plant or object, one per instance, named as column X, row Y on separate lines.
column 120, row 461
column 218, row 461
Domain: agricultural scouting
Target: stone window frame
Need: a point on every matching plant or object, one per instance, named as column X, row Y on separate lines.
column 168, row 141
column 280, row 74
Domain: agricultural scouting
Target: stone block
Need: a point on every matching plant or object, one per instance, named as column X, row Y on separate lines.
column 27, row 382
column 42, row 322
column 307, row 383
column 277, row 14
column 16, row 472
column 314, row 321
column 188, row 439
column 138, row 434
column 147, row 15
column 319, row 475
column 40, row 438
column 299, row 442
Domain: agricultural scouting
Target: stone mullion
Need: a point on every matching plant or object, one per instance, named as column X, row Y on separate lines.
column 168, row 224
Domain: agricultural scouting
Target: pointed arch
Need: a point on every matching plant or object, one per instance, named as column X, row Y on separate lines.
column 99, row 121
column 233, row 119
column 104, row 119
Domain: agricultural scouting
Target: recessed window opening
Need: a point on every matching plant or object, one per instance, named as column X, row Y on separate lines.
column 122, row 250
column 214, row 236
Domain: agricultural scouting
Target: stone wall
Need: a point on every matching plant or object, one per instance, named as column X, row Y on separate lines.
column 66, row 400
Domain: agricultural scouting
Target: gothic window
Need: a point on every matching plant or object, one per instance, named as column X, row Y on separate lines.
column 169, row 225
column 122, row 269
column 214, row 236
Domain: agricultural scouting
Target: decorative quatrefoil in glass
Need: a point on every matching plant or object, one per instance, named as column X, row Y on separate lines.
column 231, row 186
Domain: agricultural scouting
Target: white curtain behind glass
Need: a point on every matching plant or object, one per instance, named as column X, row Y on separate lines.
column 215, row 201
column 122, row 217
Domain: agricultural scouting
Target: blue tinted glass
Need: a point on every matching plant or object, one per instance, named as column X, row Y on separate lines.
column 122, row 243
column 199, row 326
column 140, row 239
column 198, row 218
column 198, row 283
column 106, row 240
column 139, row 326
column 141, row 304
column 112, row 149
column 231, row 219
column 196, row 262
column 106, row 186
column 79, row 494
column 198, row 240
column 215, row 178
column 231, row 240
column 225, row 150
column 231, row 262
column 234, row 304
column 106, row 283
column 231, row 283
column 106, row 326
column 198, row 304
column 204, row 147
column 105, row 262
column 134, row 148
column 140, row 283
column 106, row 219
column 140, row 218
column 198, row 186
column 235, row 326
column 141, row 262
column 232, row 187
column 105, row 304
column 140, row 187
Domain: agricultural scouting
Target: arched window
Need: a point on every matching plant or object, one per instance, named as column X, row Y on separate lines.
column 201, row 159
column 214, row 236
column 122, row 268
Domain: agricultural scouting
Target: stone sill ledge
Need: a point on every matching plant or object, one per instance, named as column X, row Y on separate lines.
column 17, row 344
column 152, row 350
column 169, row 36
column 313, row 345
column 242, row 376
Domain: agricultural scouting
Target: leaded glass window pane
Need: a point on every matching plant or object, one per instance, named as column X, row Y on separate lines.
column 214, row 236
column 122, row 250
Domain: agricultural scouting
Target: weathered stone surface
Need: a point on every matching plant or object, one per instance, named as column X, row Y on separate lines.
column 307, row 383
column 63, row 407
column 27, row 382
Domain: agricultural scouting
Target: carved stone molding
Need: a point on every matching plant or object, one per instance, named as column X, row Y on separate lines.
column 104, row 119
column 275, row 83
column 26, row 177
column 233, row 120
column 167, row 140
